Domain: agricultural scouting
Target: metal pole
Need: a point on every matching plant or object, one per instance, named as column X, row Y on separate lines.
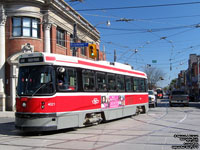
column 198, row 73
column 74, row 38
column 103, row 52
column 115, row 57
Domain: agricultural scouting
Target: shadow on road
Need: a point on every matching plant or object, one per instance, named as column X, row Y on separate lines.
column 9, row 129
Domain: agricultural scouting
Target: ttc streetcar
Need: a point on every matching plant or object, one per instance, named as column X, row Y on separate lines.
column 56, row 92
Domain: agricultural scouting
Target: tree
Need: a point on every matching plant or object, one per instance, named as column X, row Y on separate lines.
column 154, row 75
column 173, row 84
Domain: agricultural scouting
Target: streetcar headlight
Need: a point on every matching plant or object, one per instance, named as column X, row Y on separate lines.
column 24, row 104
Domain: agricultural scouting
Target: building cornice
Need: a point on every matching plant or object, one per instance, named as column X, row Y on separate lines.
column 75, row 17
column 51, row 8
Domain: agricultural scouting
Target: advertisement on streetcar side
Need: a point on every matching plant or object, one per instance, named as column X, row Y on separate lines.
column 113, row 101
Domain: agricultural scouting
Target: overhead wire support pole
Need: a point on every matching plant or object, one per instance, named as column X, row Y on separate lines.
column 74, row 39
column 198, row 73
column 115, row 56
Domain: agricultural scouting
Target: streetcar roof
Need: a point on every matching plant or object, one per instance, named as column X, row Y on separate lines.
column 71, row 61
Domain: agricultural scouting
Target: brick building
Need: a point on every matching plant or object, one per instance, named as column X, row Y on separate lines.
column 42, row 26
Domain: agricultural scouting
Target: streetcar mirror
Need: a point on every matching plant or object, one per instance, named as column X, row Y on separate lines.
column 61, row 69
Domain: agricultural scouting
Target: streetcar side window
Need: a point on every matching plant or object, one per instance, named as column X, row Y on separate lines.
column 141, row 85
column 146, row 85
column 101, row 81
column 120, row 83
column 128, row 83
column 111, row 82
column 72, row 80
column 66, row 79
column 135, row 85
column 88, row 78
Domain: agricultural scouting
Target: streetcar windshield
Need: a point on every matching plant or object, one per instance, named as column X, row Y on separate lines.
column 36, row 80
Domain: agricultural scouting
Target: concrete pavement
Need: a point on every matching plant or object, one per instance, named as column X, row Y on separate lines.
column 7, row 114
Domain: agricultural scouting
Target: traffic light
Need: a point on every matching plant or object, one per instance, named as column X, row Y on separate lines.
column 92, row 50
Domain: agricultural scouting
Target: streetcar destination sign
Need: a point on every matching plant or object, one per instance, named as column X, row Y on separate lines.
column 30, row 60
column 78, row 44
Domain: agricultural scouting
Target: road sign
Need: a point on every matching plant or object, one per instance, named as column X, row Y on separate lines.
column 154, row 61
column 78, row 44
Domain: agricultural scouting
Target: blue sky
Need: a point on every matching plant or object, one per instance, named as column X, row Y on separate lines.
column 165, row 34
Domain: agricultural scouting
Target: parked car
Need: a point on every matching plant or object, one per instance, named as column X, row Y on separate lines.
column 179, row 97
column 152, row 98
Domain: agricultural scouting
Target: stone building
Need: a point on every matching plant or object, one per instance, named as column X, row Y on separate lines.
column 40, row 26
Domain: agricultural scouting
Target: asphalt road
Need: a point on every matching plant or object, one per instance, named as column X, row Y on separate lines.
column 162, row 128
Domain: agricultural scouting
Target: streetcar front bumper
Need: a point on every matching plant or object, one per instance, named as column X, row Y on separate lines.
column 35, row 122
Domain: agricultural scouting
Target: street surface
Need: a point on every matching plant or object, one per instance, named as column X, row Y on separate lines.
column 162, row 128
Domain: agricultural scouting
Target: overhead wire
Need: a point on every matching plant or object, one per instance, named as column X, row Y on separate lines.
column 137, row 7
column 170, row 35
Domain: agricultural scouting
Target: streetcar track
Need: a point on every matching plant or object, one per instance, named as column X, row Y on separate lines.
column 178, row 122
column 129, row 137
column 184, row 111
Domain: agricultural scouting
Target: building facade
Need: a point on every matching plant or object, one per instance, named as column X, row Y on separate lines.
column 189, row 79
column 38, row 26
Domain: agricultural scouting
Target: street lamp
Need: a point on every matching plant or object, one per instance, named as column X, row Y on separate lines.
column 108, row 23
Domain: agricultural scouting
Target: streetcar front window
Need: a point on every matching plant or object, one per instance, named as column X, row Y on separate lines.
column 36, row 80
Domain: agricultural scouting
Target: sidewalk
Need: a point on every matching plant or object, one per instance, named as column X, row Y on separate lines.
column 7, row 114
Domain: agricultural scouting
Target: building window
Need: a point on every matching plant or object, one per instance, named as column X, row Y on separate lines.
column 25, row 26
column 60, row 37
column 83, row 49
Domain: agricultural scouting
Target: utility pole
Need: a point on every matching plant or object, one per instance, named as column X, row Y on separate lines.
column 103, row 52
column 74, row 39
column 115, row 56
column 198, row 73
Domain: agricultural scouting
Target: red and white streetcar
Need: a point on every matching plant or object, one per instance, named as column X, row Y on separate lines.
column 57, row 92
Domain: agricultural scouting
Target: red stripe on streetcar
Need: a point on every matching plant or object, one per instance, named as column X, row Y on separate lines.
column 66, row 61
column 72, row 103
column 99, row 66
column 50, row 58
column 110, row 68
